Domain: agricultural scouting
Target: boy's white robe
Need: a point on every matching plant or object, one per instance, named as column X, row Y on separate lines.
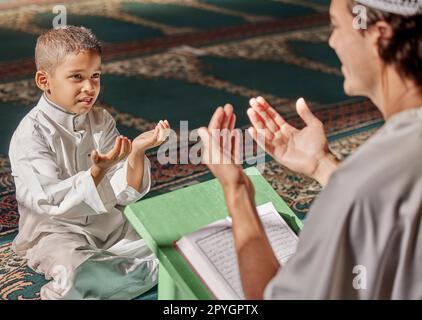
column 70, row 230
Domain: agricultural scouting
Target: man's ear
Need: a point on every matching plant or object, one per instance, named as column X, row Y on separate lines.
column 381, row 33
column 41, row 79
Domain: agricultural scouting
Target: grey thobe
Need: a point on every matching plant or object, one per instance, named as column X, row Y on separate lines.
column 362, row 238
column 70, row 230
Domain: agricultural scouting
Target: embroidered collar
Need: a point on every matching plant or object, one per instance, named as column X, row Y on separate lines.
column 69, row 120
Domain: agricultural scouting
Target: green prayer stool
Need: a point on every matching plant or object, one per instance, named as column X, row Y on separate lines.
column 164, row 219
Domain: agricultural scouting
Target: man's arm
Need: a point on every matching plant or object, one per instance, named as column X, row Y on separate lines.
column 325, row 168
column 257, row 261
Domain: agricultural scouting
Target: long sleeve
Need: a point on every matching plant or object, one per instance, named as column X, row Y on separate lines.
column 124, row 193
column 40, row 188
column 360, row 236
column 322, row 267
column 117, row 176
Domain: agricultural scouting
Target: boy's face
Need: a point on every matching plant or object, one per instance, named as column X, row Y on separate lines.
column 75, row 83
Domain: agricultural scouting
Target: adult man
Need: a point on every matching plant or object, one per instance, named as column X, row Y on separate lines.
column 369, row 213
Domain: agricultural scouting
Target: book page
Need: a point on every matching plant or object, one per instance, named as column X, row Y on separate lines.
column 211, row 251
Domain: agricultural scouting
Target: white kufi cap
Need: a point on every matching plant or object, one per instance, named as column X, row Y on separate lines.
column 399, row 7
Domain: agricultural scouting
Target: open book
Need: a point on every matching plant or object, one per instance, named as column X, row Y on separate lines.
column 210, row 251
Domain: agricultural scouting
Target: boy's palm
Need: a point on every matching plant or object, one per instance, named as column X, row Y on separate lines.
column 152, row 138
column 120, row 151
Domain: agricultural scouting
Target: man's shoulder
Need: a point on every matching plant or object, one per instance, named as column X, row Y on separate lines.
column 385, row 156
column 383, row 169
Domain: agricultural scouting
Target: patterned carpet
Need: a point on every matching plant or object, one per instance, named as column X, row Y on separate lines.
column 179, row 59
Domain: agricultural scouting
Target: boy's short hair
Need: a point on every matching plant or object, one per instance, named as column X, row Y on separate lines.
column 54, row 45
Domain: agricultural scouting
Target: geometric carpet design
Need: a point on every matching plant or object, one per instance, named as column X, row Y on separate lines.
column 179, row 60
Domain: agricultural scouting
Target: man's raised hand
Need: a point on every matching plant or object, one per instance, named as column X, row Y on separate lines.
column 305, row 151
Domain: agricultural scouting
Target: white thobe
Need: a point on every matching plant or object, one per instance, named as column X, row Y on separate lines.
column 363, row 237
column 70, row 230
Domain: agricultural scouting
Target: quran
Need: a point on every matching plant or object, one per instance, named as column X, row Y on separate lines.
column 211, row 253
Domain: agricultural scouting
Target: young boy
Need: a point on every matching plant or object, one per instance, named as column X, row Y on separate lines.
column 73, row 173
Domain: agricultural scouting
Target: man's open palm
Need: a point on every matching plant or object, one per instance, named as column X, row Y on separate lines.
column 299, row 150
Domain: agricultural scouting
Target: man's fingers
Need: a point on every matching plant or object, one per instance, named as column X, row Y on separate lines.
column 255, row 119
column 216, row 119
column 305, row 113
column 285, row 128
column 237, row 146
column 204, row 135
column 278, row 119
column 228, row 113
column 205, row 138
column 259, row 123
column 263, row 102
column 262, row 142
column 232, row 122
column 265, row 116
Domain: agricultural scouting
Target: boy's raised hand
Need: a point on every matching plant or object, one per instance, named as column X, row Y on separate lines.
column 120, row 151
column 102, row 162
column 152, row 138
